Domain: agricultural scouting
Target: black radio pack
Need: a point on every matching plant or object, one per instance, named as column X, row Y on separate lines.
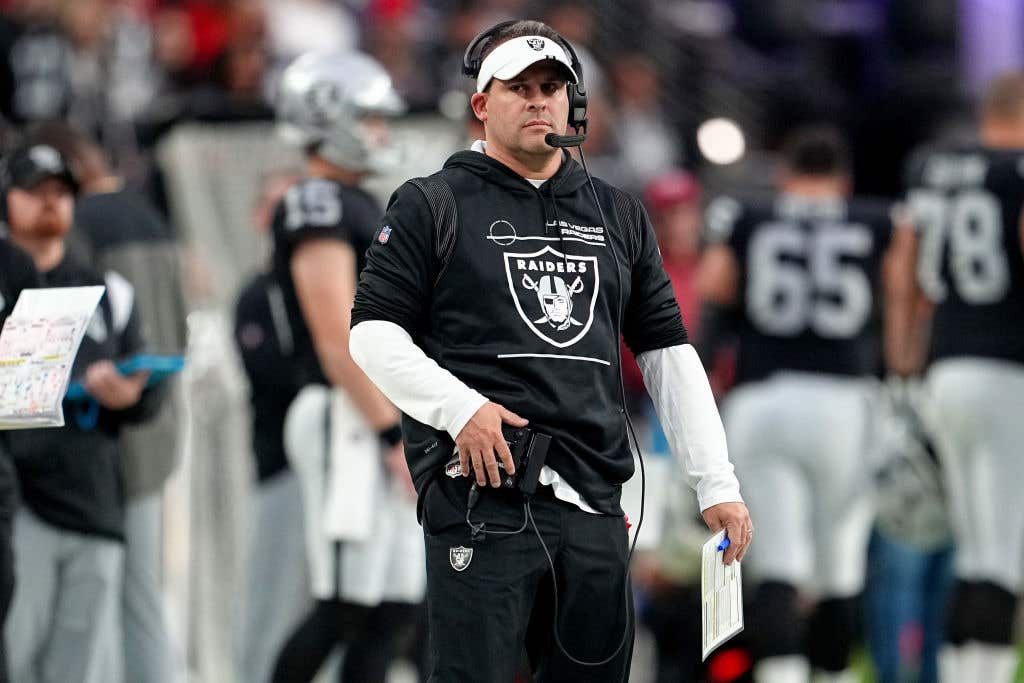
column 529, row 451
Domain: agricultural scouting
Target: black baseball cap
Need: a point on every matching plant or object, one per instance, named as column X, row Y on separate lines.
column 30, row 165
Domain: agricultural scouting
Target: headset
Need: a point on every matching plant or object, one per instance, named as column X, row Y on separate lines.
column 472, row 61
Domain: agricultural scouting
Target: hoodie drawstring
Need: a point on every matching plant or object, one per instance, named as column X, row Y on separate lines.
column 558, row 221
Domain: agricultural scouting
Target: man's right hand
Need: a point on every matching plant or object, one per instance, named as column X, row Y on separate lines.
column 113, row 390
column 481, row 439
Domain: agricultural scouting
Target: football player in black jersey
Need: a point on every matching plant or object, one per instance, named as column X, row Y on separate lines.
column 965, row 203
column 800, row 272
column 342, row 436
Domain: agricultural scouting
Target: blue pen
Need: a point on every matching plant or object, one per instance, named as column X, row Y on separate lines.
column 724, row 544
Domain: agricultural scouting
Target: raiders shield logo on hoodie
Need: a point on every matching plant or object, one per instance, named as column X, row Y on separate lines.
column 555, row 293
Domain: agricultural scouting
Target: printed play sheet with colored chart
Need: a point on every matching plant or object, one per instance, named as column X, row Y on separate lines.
column 721, row 596
column 38, row 345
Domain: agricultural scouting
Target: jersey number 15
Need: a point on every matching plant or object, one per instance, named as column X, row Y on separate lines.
column 312, row 204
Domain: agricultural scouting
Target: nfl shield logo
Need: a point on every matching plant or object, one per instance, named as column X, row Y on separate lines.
column 536, row 43
column 385, row 233
column 460, row 557
column 454, row 468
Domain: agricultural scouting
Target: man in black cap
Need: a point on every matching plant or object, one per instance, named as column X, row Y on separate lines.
column 69, row 534
column 117, row 229
column 17, row 272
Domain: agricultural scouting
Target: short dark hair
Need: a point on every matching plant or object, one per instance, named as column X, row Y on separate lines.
column 817, row 151
column 1004, row 97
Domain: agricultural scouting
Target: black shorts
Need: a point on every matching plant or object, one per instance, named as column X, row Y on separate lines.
column 491, row 599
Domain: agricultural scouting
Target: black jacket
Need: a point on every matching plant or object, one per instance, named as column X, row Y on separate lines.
column 525, row 309
column 834, row 249
column 976, row 282
column 71, row 476
column 275, row 378
column 17, row 272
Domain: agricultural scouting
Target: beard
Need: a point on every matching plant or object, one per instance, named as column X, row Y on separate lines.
column 50, row 224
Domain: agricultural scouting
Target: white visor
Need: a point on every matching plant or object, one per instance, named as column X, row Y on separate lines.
column 512, row 57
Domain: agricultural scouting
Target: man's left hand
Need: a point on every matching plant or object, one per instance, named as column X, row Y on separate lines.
column 734, row 518
column 113, row 390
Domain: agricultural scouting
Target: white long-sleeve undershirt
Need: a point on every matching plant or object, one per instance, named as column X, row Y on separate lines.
column 679, row 388
column 674, row 377
column 410, row 379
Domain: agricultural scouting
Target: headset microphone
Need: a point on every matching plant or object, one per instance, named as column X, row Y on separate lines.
column 556, row 140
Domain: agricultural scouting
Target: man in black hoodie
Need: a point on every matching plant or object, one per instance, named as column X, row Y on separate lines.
column 17, row 272
column 68, row 536
column 517, row 304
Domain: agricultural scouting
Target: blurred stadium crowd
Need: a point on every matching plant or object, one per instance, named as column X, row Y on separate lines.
column 170, row 103
column 130, row 70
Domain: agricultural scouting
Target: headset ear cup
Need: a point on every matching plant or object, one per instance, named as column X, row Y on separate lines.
column 577, row 91
column 577, row 107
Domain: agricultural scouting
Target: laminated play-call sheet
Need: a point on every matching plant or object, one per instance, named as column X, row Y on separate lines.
column 38, row 345
column 721, row 595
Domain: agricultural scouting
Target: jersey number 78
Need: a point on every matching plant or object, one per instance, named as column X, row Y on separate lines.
column 972, row 224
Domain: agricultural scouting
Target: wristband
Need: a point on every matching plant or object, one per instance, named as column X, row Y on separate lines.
column 391, row 436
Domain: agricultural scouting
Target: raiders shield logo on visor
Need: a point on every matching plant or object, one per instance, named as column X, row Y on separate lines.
column 460, row 556
column 536, row 43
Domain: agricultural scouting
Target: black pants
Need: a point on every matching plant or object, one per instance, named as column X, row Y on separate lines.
column 7, row 504
column 373, row 636
column 673, row 617
column 485, row 608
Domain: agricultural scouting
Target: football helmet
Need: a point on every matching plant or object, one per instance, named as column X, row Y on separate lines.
column 331, row 101
column 912, row 504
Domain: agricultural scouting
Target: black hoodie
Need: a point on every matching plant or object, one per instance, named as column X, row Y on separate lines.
column 526, row 309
